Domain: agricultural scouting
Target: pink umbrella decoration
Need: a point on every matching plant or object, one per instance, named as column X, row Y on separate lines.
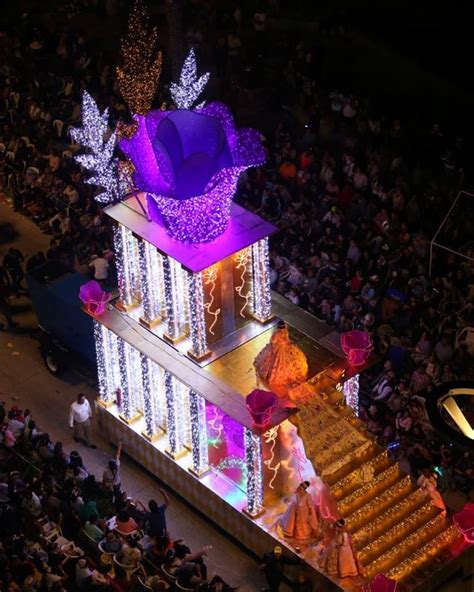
column 94, row 297
column 357, row 346
column 261, row 405
column 381, row 584
column 464, row 521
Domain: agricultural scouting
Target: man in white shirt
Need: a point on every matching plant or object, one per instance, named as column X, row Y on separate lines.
column 100, row 265
column 80, row 415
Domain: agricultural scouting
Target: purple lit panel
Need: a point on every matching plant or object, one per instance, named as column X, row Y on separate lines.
column 244, row 229
column 188, row 163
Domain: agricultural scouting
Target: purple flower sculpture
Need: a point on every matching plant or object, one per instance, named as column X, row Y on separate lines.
column 188, row 162
column 94, row 297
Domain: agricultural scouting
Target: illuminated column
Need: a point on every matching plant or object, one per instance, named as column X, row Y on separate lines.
column 175, row 444
column 261, row 301
column 128, row 268
column 100, row 338
column 175, row 300
column 131, row 395
column 153, row 389
column 253, row 462
column 350, row 390
column 197, row 325
column 197, row 408
column 183, row 419
column 151, row 273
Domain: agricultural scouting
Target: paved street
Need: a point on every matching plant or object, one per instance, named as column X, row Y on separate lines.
column 25, row 381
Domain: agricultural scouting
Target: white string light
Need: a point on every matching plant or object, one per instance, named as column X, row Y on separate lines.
column 153, row 392
column 210, row 278
column 175, row 444
column 99, row 161
column 200, row 453
column 100, row 347
column 123, row 265
column 187, row 91
column 253, row 462
column 197, row 325
column 176, row 298
column 125, row 406
column 262, row 303
column 151, row 273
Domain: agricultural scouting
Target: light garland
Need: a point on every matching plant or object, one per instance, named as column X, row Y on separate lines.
column 210, row 278
column 100, row 347
column 139, row 75
column 262, row 305
column 176, row 299
column 243, row 261
column 270, row 437
column 187, row 91
column 253, row 462
column 100, row 161
column 153, row 395
column 175, row 444
column 151, row 273
column 199, row 449
column 123, row 265
column 125, row 407
column 197, row 325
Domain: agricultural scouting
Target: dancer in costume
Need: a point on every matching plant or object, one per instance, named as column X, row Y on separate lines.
column 281, row 363
column 300, row 520
column 338, row 559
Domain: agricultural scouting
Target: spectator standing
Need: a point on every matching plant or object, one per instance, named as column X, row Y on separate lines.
column 80, row 415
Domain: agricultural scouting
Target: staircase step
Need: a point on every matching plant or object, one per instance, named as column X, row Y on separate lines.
column 353, row 480
column 433, row 552
column 388, row 518
column 396, row 554
column 366, row 454
column 335, row 460
column 361, row 496
column 394, row 535
column 387, row 498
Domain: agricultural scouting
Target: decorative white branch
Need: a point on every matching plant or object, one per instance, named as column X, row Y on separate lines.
column 187, row 91
column 99, row 161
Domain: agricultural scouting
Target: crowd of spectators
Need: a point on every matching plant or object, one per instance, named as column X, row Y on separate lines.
column 65, row 530
column 43, row 71
column 357, row 195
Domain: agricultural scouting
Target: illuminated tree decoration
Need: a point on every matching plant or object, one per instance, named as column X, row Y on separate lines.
column 99, row 161
column 187, row 91
column 139, row 74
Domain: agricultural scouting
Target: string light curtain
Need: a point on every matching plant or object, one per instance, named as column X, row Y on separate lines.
column 200, row 452
column 139, row 74
column 175, row 443
column 176, row 299
column 261, row 301
column 197, row 325
column 153, row 397
column 151, row 272
column 253, row 462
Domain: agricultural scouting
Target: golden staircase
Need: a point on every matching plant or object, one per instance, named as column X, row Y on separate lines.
column 395, row 528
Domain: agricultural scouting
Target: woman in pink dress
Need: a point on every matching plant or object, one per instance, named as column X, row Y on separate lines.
column 300, row 520
column 338, row 559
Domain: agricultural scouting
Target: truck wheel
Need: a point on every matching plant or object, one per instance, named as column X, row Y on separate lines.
column 52, row 363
